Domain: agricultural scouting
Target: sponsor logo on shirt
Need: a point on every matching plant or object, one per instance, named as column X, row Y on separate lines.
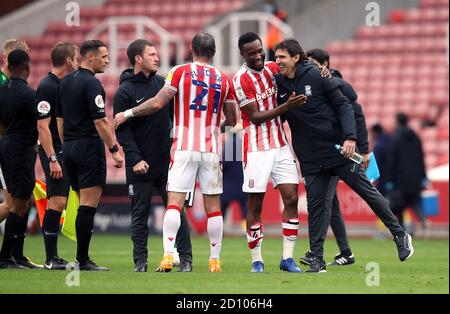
column 99, row 102
column 268, row 93
column 308, row 91
column 44, row 107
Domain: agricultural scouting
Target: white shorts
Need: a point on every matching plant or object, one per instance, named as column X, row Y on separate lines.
column 278, row 164
column 187, row 166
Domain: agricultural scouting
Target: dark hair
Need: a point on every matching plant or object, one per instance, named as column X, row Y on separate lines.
column 292, row 47
column 319, row 55
column 91, row 46
column 18, row 60
column 61, row 51
column 402, row 119
column 377, row 129
column 136, row 48
column 204, row 45
column 247, row 38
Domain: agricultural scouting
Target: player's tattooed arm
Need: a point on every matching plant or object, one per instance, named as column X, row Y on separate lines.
column 154, row 104
column 147, row 107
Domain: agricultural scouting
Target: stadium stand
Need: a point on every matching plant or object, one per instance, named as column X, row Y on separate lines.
column 171, row 15
column 403, row 66
column 399, row 66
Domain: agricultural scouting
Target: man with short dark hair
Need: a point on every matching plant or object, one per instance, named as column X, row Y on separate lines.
column 406, row 173
column 84, row 130
column 18, row 115
column 266, row 152
column 325, row 120
column 345, row 256
column 201, row 94
column 9, row 45
column 64, row 61
column 146, row 143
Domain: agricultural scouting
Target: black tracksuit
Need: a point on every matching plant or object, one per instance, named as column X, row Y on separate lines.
column 337, row 222
column 146, row 138
column 406, row 171
column 326, row 119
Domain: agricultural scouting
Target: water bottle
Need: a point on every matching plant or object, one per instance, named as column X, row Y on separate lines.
column 357, row 158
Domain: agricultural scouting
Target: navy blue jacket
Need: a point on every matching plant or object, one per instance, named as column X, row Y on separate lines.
column 325, row 120
column 143, row 138
column 361, row 127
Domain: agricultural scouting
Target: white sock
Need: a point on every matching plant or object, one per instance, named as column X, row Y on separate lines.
column 254, row 240
column 172, row 222
column 215, row 233
column 290, row 232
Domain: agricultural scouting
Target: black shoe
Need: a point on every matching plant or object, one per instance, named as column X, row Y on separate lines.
column 55, row 263
column 9, row 263
column 27, row 263
column 317, row 265
column 185, row 266
column 404, row 246
column 90, row 265
column 341, row 260
column 306, row 260
column 141, row 266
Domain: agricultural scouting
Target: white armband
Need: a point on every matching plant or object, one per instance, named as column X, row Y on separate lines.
column 128, row 114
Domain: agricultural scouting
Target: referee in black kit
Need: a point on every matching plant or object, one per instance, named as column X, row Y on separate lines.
column 18, row 117
column 64, row 58
column 146, row 143
column 325, row 120
column 85, row 130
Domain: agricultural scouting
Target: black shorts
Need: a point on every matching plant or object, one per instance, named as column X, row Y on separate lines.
column 85, row 163
column 17, row 163
column 55, row 187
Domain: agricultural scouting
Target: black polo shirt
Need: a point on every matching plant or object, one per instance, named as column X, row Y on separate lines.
column 18, row 112
column 81, row 100
column 46, row 95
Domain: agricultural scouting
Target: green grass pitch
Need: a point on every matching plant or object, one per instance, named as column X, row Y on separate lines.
column 426, row 272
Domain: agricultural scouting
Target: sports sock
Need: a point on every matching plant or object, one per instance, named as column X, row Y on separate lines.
column 13, row 226
column 20, row 240
column 172, row 222
column 215, row 232
column 290, row 232
column 84, row 228
column 254, row 240
column 50, row 230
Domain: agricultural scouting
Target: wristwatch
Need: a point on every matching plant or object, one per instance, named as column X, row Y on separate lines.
column 52, row 158
column 114, row 149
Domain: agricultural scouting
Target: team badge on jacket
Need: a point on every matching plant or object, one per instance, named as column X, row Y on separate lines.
column 308, row 91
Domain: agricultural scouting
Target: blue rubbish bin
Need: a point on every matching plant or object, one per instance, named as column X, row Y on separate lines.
column 430, row 203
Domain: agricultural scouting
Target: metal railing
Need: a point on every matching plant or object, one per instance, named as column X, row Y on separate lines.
column 234, row 22
column 141, row 23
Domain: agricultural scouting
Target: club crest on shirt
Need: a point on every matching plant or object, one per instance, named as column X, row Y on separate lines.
column 44, row 107
column 99, row 101
column 251, row 184
column 308, row 91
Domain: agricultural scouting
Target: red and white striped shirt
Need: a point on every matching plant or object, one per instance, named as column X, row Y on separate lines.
column 202, row 91
column 260, row 87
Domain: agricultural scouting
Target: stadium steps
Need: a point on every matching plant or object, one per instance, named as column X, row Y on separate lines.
column 403, row 66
